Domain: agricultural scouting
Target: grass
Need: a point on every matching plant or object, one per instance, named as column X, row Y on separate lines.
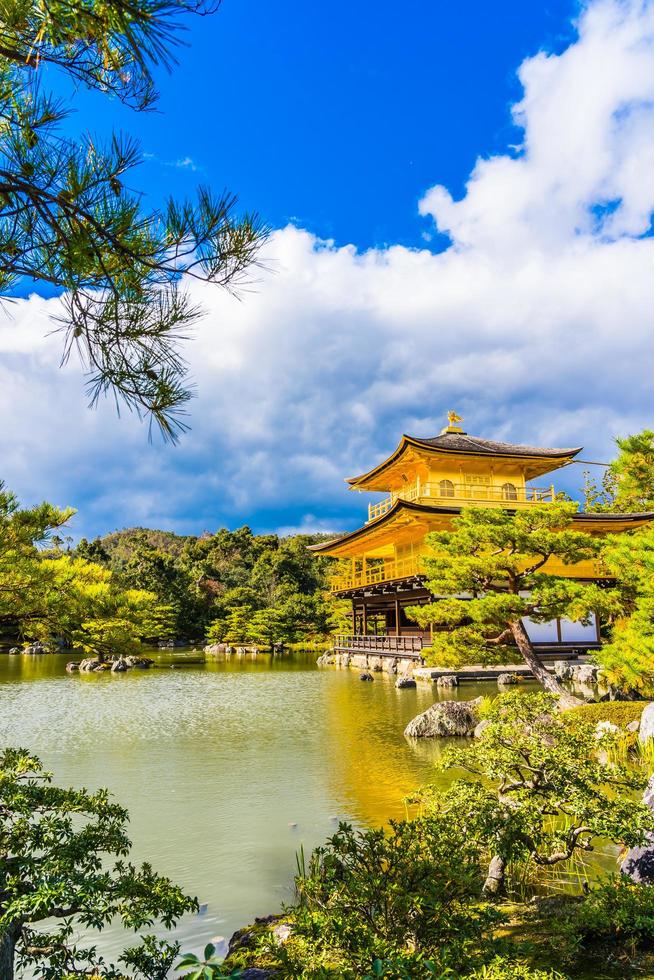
column 620, row 713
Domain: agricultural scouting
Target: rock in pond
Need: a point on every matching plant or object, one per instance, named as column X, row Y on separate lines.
column 119, row 666
column 447, row 680
column 365, row 676
column 503, row 679
column 72, row 666
column 585, row 673
column 15, row 650
column 405, row 682
column 445, row 718
column 639, row 861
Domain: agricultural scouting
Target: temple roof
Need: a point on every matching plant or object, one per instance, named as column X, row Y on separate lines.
column 461, row 442
column 602, row 522
column 456, row 442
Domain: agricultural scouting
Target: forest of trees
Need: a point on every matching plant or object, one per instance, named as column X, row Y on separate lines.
column 232, row 586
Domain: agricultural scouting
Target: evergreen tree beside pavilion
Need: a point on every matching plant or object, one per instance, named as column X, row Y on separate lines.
column 428, row 482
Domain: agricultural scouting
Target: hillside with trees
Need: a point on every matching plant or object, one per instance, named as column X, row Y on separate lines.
column 235, row 586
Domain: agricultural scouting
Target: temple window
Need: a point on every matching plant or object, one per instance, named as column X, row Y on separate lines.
column 446, row 488
column 509, row 491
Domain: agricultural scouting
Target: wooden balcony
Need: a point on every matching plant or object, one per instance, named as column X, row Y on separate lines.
column 382, row 645
column 389, row 571
column 456, row 494
column 377, row 573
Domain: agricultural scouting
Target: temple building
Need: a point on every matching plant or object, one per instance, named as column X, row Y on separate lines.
column 427, row 483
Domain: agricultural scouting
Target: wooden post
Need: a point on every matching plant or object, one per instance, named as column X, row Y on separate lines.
column 365, row 618
column 397, row 616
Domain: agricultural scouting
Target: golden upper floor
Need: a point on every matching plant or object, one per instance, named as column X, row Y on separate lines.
column 460, row 468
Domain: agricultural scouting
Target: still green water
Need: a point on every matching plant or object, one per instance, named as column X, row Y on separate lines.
column 226, row 768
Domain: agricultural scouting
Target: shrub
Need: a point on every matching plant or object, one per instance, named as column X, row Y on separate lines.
column 617, row 910
column 503, row 969
column 542, row 793
column 620, row 713
column 399, row 903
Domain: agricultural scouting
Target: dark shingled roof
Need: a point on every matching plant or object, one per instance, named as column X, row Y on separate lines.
column 461, row 442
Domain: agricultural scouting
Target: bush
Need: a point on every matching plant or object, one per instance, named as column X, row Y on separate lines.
column 503, row 969
column 616, row 910
column 620, row 713
column 399, row 903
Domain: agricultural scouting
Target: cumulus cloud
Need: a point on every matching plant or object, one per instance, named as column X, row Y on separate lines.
column 535, row 323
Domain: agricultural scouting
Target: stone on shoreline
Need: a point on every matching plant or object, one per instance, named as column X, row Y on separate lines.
column 447, row 680
column 504, row 679
column 646, row 727
column 445, row 718
column 638, row 863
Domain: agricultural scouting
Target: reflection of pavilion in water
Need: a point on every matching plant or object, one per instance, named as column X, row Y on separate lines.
column 373, row 767
column 428, row 482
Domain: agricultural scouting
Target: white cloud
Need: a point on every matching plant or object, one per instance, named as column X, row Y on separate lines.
column 536, row 324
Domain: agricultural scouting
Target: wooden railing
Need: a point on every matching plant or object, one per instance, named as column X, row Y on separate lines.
column 447, row 492
column 374, row 574
column 389, row 571
column 381, row 646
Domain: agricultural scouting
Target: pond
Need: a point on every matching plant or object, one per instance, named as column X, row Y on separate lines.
column 226, row 768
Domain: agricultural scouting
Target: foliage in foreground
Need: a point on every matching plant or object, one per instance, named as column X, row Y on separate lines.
column 68, row 215
column 63, row 855
column 406, row 898
column 543, row 789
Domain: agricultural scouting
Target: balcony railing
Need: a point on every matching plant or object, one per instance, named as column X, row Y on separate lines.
column 382, row 645
column 447, row 492
column 387, row 571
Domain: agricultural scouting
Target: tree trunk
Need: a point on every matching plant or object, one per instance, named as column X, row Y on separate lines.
column 542, row 675
column 494, row 884
column 7, row 947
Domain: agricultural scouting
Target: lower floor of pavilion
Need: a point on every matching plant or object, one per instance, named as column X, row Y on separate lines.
column 382, row 626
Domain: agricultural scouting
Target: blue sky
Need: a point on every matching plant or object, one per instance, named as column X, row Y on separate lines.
column 338, row 118
column 461, row 199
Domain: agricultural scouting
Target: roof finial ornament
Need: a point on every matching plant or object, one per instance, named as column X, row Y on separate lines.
column 453, row 423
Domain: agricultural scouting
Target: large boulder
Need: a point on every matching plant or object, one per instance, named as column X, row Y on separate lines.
column 447, row 680
column 405, row 681
column 563, row 670
column 638, row 863
column 445, row 718
column 646, row 728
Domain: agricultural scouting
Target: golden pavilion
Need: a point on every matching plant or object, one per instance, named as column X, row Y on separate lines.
column 427, row 482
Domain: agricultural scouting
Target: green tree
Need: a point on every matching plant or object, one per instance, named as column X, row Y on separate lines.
column 628, row 659
column 237, row 625
column 627, row 485
column 633, row 471
column 25, row 578
column 497, row 560
column 68, row 217
column 544, row 791
column 63, row 855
